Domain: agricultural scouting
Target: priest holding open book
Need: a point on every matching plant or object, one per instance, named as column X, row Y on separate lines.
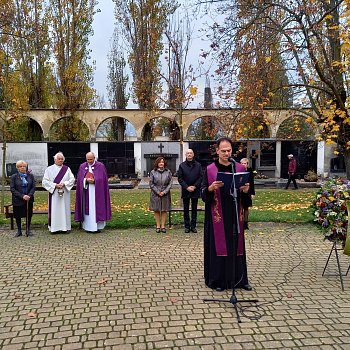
column 93, row 205
column 220, row 229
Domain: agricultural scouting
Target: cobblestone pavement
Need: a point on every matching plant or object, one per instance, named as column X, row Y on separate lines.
column 137, row 289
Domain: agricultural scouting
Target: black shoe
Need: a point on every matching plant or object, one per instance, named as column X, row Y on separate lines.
column 158, row 229
column 194, row 230
column 29, row 234
column 163, row 230
column 18, row 234
column 219, row 289
column 247, row 287
column 245, row 225
column 187, row 230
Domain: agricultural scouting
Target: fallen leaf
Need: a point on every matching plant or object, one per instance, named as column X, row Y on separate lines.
column 289, row 295
column 143, row 253
column 31, row 314
column 102, row 281
column 173, row 300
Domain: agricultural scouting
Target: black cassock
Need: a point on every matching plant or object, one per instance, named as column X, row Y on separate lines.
column 218, row 269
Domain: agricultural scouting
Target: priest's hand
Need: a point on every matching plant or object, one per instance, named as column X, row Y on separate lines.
column 215, row 185
column 26, row 197
column 90, row 181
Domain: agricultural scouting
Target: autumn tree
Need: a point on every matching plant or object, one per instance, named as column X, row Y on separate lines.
column 71, row 28
column 117, row 82
column 31, row 52
column 313, row 38
column 143, row 23
column 181, row 76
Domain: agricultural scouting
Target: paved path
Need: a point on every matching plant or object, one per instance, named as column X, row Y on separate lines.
column 139, row 290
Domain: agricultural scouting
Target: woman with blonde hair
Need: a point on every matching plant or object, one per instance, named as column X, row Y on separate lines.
column 22, row 189
column 247, row 198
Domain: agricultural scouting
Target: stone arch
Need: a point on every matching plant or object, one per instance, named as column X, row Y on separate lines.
column 69, row 128
column 250, row 127
column 23, row 128
column 161, row 129
column 116, row 128
column 205, row 128
column 297, row 127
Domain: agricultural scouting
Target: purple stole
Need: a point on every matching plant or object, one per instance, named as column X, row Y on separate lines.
column 86, row 192
column 57, row 180
column 217, row 218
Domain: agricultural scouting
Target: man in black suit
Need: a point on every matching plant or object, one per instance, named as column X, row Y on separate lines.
column 190, row 179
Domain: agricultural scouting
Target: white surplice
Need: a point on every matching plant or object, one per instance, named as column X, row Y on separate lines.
column 60, row 206
column 89, row 223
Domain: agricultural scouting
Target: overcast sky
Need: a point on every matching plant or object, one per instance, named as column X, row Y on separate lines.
column 104, row 23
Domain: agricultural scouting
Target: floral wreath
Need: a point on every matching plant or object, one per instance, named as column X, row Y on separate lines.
column 331, row 210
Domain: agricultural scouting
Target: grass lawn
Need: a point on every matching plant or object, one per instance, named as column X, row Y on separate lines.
column 130, row 207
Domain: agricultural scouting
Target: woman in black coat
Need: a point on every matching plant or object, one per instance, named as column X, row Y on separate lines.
column 247, row 198
column 22, row 189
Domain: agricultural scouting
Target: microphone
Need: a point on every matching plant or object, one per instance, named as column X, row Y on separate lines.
column 231, row 160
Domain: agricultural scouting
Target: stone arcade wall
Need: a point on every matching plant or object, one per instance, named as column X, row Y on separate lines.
column 144, row 154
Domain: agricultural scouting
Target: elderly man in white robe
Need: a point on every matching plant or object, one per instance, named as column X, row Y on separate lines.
column 58, row 181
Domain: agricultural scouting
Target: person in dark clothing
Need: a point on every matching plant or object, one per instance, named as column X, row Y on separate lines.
column 292, row 168
column 22, row 189
column 220, row 226
column 247, row 198
column 190, row 178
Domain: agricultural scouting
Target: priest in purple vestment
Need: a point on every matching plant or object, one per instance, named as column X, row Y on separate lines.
column 220, row 227
column 93, row 205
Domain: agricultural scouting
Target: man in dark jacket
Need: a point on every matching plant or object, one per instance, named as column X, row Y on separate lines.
column 190, row 179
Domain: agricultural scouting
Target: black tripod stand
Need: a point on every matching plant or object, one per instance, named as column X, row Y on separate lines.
column 236, row 231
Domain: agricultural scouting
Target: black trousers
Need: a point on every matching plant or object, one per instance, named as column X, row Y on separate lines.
column 291, row 178
column 190, row 223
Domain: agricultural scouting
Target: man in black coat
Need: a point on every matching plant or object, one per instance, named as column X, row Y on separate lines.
column 190, row 179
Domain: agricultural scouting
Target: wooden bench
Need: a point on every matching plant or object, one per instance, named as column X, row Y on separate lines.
column 9, row 213
column 181, row 209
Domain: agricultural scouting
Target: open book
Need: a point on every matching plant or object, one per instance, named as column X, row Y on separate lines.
column 241, row 178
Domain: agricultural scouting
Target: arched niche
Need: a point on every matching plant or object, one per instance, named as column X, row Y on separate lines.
column 69, row 128
column 116, row 129
column 297, row 127
column 205, row 128
column 250, row 127
column 161, row 129
column 22, row 128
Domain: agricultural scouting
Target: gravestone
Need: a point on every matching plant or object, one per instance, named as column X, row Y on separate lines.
column 118, row 157
column 150, row 151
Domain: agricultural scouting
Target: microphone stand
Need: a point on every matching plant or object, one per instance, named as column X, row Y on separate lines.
column 236, row 231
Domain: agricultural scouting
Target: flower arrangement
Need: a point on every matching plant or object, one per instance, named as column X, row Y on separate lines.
column 260, row 176
column 113, row 180
column 330, row 208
